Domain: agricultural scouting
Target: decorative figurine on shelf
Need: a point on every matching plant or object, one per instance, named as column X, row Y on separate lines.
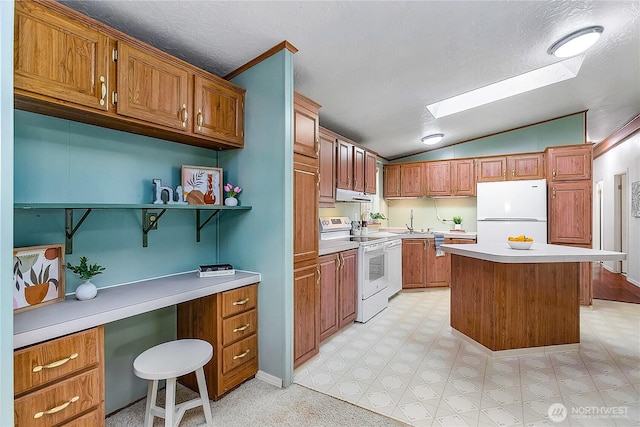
column 232, row 192
column 86, row 290
column 171, row 198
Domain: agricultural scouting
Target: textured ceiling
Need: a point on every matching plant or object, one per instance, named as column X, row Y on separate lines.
column 374, row 66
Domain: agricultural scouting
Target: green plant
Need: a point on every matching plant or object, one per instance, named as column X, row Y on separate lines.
column 457, row 220
column 84, row 270
column 377, row 215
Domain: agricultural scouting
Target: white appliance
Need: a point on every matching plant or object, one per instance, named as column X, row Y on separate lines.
column 372, row 265
column 352, row 196
column 511, row 208
column 393, row 248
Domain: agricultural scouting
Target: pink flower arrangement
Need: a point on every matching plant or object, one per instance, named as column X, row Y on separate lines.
column 233, row 191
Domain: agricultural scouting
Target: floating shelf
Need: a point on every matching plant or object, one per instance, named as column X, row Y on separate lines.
column 149, row 222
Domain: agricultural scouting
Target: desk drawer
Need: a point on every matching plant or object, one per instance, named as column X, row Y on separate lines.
column 238, row 327
column 62, row 401
column 239, row 300
column 239, row 353
column 55, row 359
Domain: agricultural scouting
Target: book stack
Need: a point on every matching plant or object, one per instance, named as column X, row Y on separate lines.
column 212, row 270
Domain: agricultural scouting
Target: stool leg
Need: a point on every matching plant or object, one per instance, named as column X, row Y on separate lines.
column 152, row 393
column 204, row 395
column 170, row 402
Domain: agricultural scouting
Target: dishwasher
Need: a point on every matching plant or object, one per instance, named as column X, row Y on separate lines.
column 393, row 249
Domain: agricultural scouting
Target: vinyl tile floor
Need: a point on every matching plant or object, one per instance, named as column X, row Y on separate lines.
column 405, row 363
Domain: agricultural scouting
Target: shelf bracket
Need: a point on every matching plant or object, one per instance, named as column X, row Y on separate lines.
column 70, row 230
column 200, row 226
column 148, row 224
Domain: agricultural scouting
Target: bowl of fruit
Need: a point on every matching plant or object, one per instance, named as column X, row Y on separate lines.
column 520, row 242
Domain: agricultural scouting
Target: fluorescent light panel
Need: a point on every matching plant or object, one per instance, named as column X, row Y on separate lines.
column 526, row 82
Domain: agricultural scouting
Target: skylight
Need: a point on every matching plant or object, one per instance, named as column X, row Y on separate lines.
column 545, row 76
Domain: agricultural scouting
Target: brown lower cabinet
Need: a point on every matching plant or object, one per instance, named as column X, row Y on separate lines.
column 306, row 318
column 229, row 321
column 421, row 268
column 338, row 291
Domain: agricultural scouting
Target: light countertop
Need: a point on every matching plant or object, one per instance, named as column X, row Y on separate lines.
column 337, row 245
column 119, row 302
column 538, row 253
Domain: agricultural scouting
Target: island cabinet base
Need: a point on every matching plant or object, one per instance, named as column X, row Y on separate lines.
column 507, row 306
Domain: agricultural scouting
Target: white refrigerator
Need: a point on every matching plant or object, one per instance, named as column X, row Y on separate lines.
column 511, row 208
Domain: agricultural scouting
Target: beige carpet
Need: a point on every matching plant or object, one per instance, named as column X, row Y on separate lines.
column 256, row 403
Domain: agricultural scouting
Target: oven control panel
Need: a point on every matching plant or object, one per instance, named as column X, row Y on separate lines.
column 334, row 223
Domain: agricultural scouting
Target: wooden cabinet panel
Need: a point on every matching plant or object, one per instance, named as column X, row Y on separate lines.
column 438, row 267
column 306, row 126
column 438, row 178
column 414, row 263
column 229, row 321
column 329, row 278
column 306, row 319
column 526, row 166
column 348, row 291
column 152, row 89
column 570, row 212
column 58, row 57
column 491, row 169
column 344, row 165
column 570, row 162
column 370, row 169
column 219, row 111
column 305, row 208
column 391, row 184
column 411, row 180
column 463, row 177
column 358, row 169
column 327, row 160
column 92, row 419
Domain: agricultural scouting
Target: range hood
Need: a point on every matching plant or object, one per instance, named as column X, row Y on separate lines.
column 352, row 196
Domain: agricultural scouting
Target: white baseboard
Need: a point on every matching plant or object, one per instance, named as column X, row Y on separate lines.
column 269, row 379
column 633, row 282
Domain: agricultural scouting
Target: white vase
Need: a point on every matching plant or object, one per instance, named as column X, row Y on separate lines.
column 457, row 226
column 86, row 290
column 231, row 201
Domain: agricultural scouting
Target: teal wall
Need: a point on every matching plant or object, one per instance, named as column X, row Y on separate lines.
column 6, row 213
column 264, row 242
column 563, row 131
column 63, row 161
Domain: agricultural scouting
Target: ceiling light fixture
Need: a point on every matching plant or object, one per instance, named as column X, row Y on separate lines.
column 576, row 42
column 526, row 82
column 432, row 139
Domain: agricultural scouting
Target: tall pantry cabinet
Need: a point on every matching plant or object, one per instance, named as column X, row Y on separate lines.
column 306, row 270
column 569, row 191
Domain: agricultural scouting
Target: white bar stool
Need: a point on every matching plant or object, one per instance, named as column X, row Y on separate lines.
column 167, row 362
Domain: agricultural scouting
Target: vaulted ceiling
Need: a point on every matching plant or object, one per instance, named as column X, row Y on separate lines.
column 375, row 66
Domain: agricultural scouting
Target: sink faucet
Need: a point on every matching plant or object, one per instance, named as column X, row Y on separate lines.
column 410, row 228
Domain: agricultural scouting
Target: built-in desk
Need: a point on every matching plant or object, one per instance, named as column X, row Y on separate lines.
column 119, row 302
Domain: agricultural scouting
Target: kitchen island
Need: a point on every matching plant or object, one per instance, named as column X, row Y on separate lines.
column 506, row 299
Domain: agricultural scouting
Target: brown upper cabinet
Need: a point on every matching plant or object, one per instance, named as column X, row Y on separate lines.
column 355, row 167
column 306, row 126
column 438, row 178
column 327, row 162
column 70, row 66
column 411, row 180
column 344, row 165
column 492, row 169
column 370, row 168
column 569, row 163
column 463, row 177
column 511, row 168
column 358, row 169
column 391, row 178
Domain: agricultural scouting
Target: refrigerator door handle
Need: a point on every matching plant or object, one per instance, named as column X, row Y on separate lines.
column 512, row 219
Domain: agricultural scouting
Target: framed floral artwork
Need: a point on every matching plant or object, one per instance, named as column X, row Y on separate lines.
column 202, row 185
column 38, row 276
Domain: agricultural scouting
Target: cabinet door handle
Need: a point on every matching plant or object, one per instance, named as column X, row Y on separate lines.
column 553, row 172
column 103, row 92
column 318, row 181
column 242, row 328
column 241, row 355
column 318, row 279
column 513, row 172
column 317, row 147
column 57, row 408
column 241, row 302
column 200, row 118
column 553, row 192
column 184, row 114
column 56, row 363
column 504, row 173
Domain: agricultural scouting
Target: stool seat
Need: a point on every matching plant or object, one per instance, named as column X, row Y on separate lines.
column 172, row 359
column 169, row 361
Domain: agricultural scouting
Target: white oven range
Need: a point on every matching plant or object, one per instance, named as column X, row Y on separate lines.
column 372, row 266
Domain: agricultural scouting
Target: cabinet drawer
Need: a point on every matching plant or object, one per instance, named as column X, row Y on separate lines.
column 238, row 327
column 239, row 300
column 239, row 353
column 55, row 359
column 92, row 419
column 59, row 402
